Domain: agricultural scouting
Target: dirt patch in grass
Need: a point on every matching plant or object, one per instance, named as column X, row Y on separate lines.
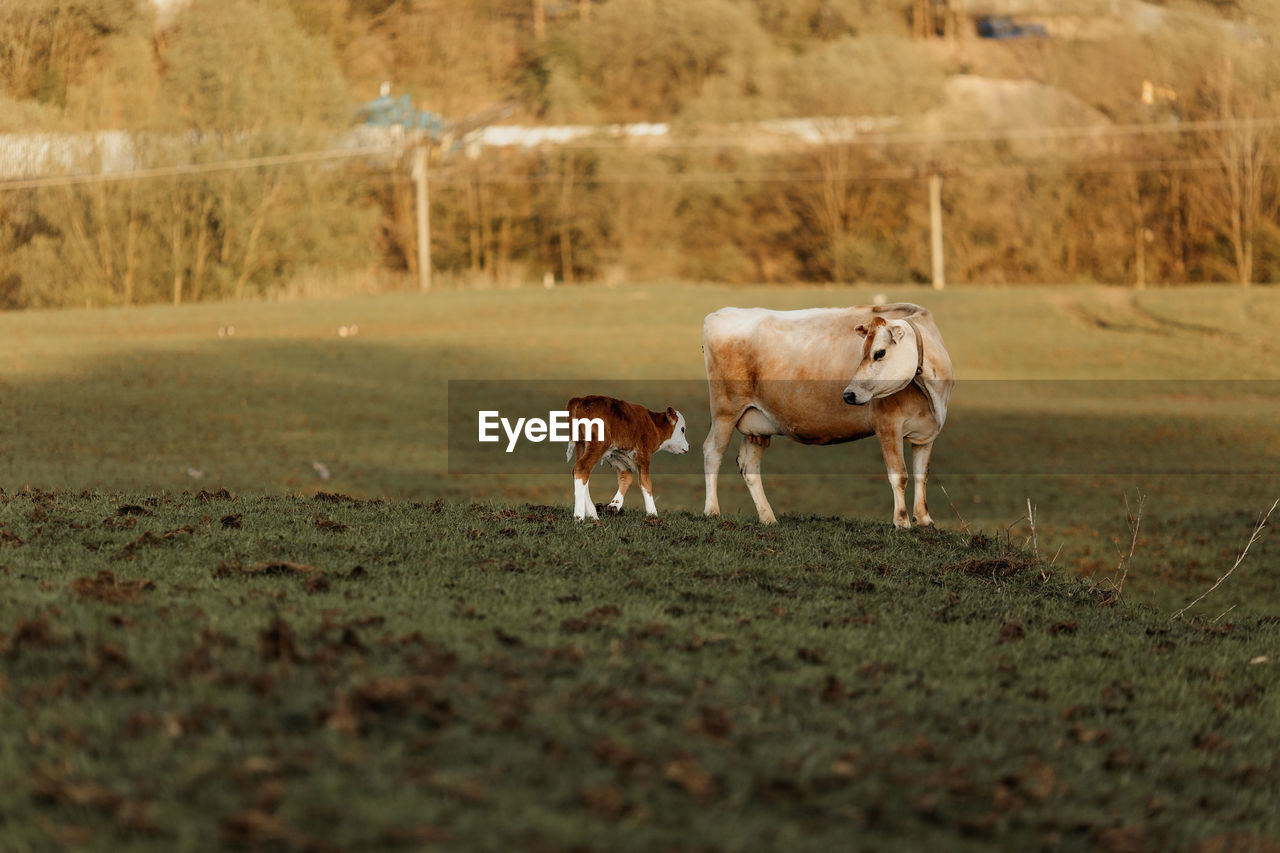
column 105, row 587
column 997, row 567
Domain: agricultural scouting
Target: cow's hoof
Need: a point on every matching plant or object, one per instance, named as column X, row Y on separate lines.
column 611, row 509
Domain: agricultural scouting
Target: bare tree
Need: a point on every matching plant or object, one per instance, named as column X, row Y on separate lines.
column 1229, row 77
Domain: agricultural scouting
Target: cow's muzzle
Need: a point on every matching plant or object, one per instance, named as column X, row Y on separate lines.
column 852, row 399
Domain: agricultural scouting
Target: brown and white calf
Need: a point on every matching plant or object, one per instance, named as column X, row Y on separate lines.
column 632, row 434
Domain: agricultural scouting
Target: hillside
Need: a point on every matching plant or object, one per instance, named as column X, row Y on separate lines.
column 268, row 86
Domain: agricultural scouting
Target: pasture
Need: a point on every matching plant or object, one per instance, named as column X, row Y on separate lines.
column 206, row 640
column 1075, row 398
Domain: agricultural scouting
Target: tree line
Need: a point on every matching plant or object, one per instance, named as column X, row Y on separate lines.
column 246, row 78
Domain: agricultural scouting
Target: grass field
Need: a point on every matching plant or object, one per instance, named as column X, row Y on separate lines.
column 327, row 674
column 1075, row 398
column 447, row 660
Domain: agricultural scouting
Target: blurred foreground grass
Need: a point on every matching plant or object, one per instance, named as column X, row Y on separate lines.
column 188, row 672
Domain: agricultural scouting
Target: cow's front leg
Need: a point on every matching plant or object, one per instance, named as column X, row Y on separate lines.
column 896, row 466
column 646, row 488
column 712, row 452
column 625, row 479
column 920, row 468
column 749, row 456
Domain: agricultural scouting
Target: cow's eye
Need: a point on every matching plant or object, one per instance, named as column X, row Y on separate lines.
column 878, row 354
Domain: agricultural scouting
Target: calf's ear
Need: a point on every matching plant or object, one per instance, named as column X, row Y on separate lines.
column 861, row 330
column 672, row 415
column 897, row 332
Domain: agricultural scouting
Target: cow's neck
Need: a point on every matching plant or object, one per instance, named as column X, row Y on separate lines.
column 918, row 379
column 919, row 349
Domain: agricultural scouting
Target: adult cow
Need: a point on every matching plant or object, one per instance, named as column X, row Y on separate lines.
column 826, row 376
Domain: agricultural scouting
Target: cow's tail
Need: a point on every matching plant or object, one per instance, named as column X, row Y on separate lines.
column 568, row 454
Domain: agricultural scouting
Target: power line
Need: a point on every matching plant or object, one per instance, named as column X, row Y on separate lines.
column 837, row 135
column 451, row 178
column 199, row 168
column 885, row 139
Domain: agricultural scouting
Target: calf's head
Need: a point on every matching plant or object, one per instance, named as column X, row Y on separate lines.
column 677, row 442
column 890, row 358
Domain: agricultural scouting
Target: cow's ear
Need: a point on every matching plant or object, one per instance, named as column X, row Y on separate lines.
column 861, row 330
column 672, row 415
column 897, row 333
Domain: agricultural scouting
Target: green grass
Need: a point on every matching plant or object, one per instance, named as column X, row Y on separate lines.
column 1077, row 398
column 182, row 671
column 449, row 661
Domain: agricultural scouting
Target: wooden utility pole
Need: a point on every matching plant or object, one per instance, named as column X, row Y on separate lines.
column 539, row 20
column 424, row 217
column 1139, row 235
column 935, row 229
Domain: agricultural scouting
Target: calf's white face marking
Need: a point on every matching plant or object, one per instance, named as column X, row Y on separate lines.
column 679, row 442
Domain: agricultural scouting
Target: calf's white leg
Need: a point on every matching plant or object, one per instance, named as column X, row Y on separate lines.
column 646, row 489
column 583, row 507
column 624, row 482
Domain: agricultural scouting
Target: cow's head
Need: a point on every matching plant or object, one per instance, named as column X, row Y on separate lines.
column 678, row 442
column 890, row 360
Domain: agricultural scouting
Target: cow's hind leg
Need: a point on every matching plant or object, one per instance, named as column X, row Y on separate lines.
column 712, row 452
column 920, row 468
column 625, row 478
column 749, row 455
column 896, row 466
column 583, row 508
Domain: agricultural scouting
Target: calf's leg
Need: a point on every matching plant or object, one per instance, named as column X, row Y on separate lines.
column 625, row 479
column 583, row 507
column 646, row 488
